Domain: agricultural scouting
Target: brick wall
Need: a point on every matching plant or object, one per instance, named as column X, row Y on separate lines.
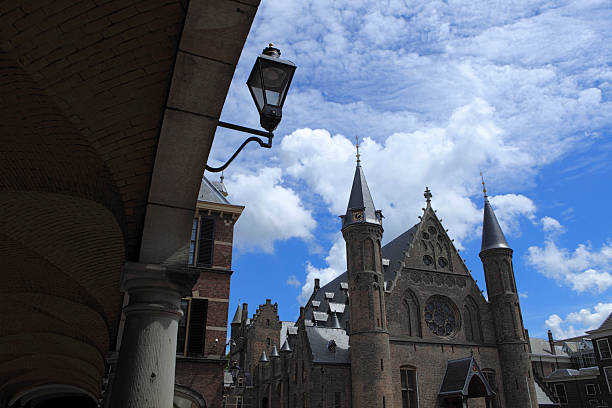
column 265, row 324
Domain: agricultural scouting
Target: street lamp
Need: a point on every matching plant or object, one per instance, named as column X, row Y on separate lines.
column 235, row 369
column 268, row 83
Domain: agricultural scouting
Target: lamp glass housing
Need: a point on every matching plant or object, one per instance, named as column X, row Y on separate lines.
column 269, row 82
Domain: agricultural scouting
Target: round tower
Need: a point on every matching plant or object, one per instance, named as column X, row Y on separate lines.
column 368, row 335
column 513, row 349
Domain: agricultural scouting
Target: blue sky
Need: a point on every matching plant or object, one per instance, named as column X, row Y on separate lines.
column 436, row 91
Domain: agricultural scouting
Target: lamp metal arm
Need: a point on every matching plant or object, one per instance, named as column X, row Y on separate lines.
column 239, row 128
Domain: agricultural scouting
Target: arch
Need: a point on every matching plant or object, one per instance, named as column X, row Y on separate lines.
column 51, row 391
column 477, row 388
column 368, row 254
column 410, row 320
column 185, row 397
column 471, row 315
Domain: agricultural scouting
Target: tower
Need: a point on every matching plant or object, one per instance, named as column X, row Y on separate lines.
column 368, row 334
column 496, row 256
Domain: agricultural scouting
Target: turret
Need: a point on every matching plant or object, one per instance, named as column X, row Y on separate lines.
column 513, row 347
column 369, row 338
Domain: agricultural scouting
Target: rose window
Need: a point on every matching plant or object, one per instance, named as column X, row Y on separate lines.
column 441, row 316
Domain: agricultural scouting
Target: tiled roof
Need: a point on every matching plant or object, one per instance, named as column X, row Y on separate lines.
column 319, row 339
column 209, row 193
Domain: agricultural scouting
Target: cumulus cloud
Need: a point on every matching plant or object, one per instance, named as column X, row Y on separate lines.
column 437, row 90
column 293, row 281
column 336, row 261
column 274, row 212
column 398, row 169
column 551, row 225
column 576, row 323
column 523, row 295
column 584, row 269
column 508, row 209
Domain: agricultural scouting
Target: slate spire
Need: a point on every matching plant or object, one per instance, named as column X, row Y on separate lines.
column 360, row 207
column 492, row 234
column 238, row 315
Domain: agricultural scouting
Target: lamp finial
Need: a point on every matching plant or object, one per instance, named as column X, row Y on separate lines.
column 357, row 147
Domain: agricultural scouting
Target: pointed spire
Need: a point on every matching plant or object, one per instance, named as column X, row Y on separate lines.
column 274, row 352
column 360, row 207
column 286, row 347
column 238, row 315
column 335, row 323
column 492, row 234
column 263, row 358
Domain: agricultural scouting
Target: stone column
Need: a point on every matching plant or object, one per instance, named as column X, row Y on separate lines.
column 147, row 355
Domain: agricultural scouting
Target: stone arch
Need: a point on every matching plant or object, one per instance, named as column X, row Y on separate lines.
column 471, row 316
column 368, row 254
column 410, row 320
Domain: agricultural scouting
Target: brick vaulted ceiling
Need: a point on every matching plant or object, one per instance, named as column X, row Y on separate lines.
column 84, row 89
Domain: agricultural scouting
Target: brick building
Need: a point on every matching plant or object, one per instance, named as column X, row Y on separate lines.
column 406, row 325
column 602, row 338
column 202, row 330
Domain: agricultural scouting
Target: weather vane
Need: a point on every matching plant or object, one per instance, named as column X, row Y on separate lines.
column 484, row 189
column 357, row 146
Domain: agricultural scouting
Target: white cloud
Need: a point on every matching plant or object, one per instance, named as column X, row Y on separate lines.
column 523, row 295
column 439, row 90
column 551, row 226
column 273, row 212
column 398, row 169
column 576, row 323
column 293, row 281
column 508, row 209
column 336, row 261
column 584, row 269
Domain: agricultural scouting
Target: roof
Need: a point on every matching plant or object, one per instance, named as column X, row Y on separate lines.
column 563, row 373
column 238, row 315
column 541, row 347
column 459, row 375
column 320, row 338
column 360, row 199
column 209, row 193
column 543, row 399
column 492, row 234
column 606, row 325
column 286, row 328
column 394, row 250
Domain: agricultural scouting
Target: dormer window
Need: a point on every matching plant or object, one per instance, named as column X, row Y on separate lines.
column 331, row 346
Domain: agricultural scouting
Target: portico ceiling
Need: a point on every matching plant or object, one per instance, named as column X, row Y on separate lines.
column 98, row 100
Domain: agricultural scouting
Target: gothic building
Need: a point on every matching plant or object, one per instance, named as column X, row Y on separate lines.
column 405, row 326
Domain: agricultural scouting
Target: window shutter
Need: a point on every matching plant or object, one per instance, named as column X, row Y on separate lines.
column 197, row 326
column 206, row 242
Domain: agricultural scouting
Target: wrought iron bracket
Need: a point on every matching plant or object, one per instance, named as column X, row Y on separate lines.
column 239, row 128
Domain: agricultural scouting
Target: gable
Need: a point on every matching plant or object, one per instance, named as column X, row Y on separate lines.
column 425, row 246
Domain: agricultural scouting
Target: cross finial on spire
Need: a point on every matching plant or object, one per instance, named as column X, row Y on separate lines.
column 221, row 178
column 357, row 147
column 428, row 195
column 484, row 188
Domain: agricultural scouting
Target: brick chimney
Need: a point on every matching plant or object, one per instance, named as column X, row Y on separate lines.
column 551, row 342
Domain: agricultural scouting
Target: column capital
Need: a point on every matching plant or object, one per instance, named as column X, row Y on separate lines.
column 136, row 275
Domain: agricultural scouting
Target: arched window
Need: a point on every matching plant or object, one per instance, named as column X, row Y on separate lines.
column 410, row 392
column 369, row 254
column 411, row 317
column 471, row 316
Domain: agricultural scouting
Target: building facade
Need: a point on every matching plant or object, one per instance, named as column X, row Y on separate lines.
column 202, row 332
column 406, row 325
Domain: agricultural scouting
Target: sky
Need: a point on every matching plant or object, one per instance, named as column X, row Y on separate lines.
column 436, row 92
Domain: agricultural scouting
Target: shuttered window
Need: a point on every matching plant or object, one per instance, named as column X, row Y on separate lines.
column 206, row 241
column 182, row 328
column 197, row 327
